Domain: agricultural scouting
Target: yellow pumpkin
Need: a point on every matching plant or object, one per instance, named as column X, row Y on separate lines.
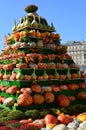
column 82, row 117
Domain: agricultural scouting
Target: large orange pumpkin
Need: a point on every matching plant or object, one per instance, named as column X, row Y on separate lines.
column 38, row 99
column 49, row 97
column 63, row 100
column 25, row 99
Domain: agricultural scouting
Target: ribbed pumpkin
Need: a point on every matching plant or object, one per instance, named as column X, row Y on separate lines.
column 25, row 99
column 38, row 99
column 63, row 100
column 49, row 97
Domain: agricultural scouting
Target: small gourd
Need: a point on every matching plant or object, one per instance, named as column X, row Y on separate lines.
column 68, row 75
column 21, row 22
column 27, row 23
column 56, row 74
column 19, row 75
column 40, row 25
column 33, row 75
column 18, row 26
column 15, row 26
column 34, row 23
column 45, row 75
column 79, row 74
column 5, row 74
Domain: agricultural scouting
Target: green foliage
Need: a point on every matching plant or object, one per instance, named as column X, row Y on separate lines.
column 71, row 110
column 32, row 113
column 3, row 119
column 16, row 115
column 4, row 112
column 31, row 127
column 43, row 113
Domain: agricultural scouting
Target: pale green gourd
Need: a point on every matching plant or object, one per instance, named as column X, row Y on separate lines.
column 27, row 23
column 56, row 74
column 19, row 75
column 33, row 75
column 79, row 74
column 34, row 22
column 18, row 26
column 5, row 74
column 15, row 26
column 21, row 22
column 40, row 25
column 45, row 75
column 68, row 75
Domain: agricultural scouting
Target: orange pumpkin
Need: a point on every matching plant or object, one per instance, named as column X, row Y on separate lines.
column 40, row 77
column 55, row 88
column 1, row 76
column 31, row 33
column 52, row 35
column 49, row 97
column 63, row 87
column 43, row 35
column 26, row 90
column 25, row 99
column 57, row 36
column 50, row 119
column 38, row 99
column 82, row 85
column 25, row 121
column 37, row 34
column 23, row 33
column 74, row 75
column 50, row 76
column 62, row 77
column 72, row 98
column 64, row 119
column 16, row 36
column 63, row 100
column 73, row 86
column 36, row 88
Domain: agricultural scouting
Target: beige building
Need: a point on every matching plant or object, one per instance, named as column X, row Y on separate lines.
column 77, row 49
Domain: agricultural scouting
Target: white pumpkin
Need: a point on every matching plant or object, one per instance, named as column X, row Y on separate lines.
column 82, row 126
column 60, row 127
column 8, row 102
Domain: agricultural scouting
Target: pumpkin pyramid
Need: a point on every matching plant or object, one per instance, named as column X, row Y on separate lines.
column 35, row 70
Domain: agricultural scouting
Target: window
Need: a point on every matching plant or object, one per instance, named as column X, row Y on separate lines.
column 84, row 55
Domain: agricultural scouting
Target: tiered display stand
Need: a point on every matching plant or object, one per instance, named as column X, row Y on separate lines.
column 35, row 70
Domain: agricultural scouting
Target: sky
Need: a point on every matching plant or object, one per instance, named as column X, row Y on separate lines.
column 68, row 17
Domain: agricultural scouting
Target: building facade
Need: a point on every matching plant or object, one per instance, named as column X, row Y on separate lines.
column 77, row 49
